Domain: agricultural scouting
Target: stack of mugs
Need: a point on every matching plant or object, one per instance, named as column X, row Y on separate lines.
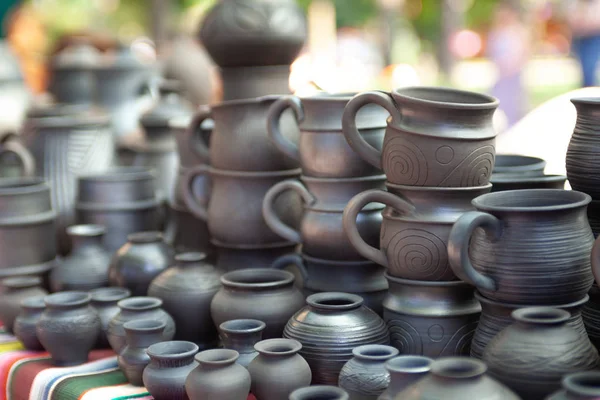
column 332, row 173
column 438, row 154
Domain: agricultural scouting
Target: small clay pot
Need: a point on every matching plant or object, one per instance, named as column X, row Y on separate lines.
column 278, row 369
column 24, row 326
column 241, row 335
column 170, row 364
column 319, row 392
column 404, row 371
column 104, row 301
column 579, row 386
column 14, row 290
column 139, row 335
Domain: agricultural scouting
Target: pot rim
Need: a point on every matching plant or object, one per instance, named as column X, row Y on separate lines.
column 367, row 178
column 190, row 257
column 483, row 299
column 531, row 163
column 67, row 299
column 33, row 303
column 334, row 301
column 375, row 352
column 109, row 294
column 25, row 185
column 314, row 391
column 585, row 100
column 140, row 303
column 409, row 94
column 229, row 326
column 86, row 230
column 507, row 178
column 120, row 174
column 572, row 199
column 278, row 347
column 21, row 282
column 411, row 282
column 458, row 367
column 255, row 174
column 274, row 278
column 409, row 364
column 172, row 350
column 217, row 357
column 583, row 383
column 541, row 315
column 145, row 326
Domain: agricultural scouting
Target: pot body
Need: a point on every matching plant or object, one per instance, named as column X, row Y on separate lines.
column 591, row 315
column 133, row 358
column 234, row 258
column 227, row 381
column 170, row 364
column 15, row 290
column 26, row 321
column 255, row 81
column 186, row 232
column 104, row 302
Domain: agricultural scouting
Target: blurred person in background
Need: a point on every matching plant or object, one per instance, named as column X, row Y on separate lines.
column 583, row 18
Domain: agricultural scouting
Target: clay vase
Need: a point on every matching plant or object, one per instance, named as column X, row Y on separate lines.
column 452, row 127
column 24, row 326
column 278, row 369
column 139, row 335
column 170, row 364
column 515, row 164
column 329, row 327
column 537, row 350
column 579, row 386
column 13, row 291
column 86, row 267
column 433, row 319
column 135, row 308
column 256, row 293
column 365, row 377
column 104, row 301
column 495, row 261
column 241, row 335
column 139, row 261
column 591, row 315
column 231, row 258
column 496, row 316
column 186, row 290
column 218, row 377
column 317, row 392
column 322, row 149
column 404, row 371
column 454, row 378
column 68, row 328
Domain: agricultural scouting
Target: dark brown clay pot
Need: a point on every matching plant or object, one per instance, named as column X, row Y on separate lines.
column 591, row 315
column 24, row 326
column 435, row 136
column 104, row 301
column 241, row 335
column 518, row 257
column 532, row 355
column 139, row 335
column 404, row 371
column 579, row 386
column 318, row 392
column 501, row 182
column 322, row 149
column 13, row 291
column 231, row 258
column 518, row 165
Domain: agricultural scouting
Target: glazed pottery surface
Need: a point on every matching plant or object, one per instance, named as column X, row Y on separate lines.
column 135, row 308
column 24, row 326
column 404, row 371
column 579, row 386
column 519, row 256
column 329, row 327
column 518, row 165
column 86, row 267
column 434, row 319
column 231, row 258
column 139, row 335
column 68, row 328
column 322, row 149
column 104, row 301
column 139, row 261
column 365, row 377
column 454, row 378
column 71, row 78
column 278, row 369
column 170, row 364
column 187, row 289
column 502, row 182
column 318, row 392
column 12, row 292
column 241, row 335
column 537, row 350
column 434, row 136
column 218, row 377
column 591, row 315
column 257, row 293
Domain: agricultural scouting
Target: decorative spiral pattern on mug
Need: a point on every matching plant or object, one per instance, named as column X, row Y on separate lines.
column 474, row 170
column 404, row 162
column 418, row 254
column 405, row 337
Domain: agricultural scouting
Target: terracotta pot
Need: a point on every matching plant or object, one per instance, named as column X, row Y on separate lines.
column 241, row 335
column 547, row 350
column 518, row 165
column 404, row 371
column 231, row 258
column 317, row 392
column 329, row 327
column 452, row 127
column 13, row 291
column 139, row 335
column 495, row 260
column 257, row 293
column 104, row 301
column 579, row 386
column 591, row 315
column 24, row 326
column 503, row 182
column 278, row 369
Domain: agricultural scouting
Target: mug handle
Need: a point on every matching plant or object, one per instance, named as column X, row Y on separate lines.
column 189, row 198
column 458, row 246
column 291, row 259
column 11, row 145
column 358, row 143
column 197, row 135
column 355, row 205
column 285, row 145
column 271, row 217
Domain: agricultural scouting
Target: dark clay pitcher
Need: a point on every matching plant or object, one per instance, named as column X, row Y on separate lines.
column 534, row 246
column 434, row 137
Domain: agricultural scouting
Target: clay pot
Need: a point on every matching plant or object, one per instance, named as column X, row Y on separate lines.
column 515, row 258
column 365, row 377
column 579, row 386
column 454, row 378
column 452, row 127
column 329, row 327
column 24, row 326
column 139, row 261
column 68, row 328
column 496, row 316
column 86, row 267
column 104, row 301
column 257, row 293
column 231, row 258
column 241, row 335
column 218, row 377
column 518, row 165
column 404, row 371
column 591, row 315
column 317, row 392
column 232, row 191
column 135, row 308
column 139, row 335
column 13, row 291
column 170, row 364
column 321, row 230
column 322, row 149
column 503, row 182
column 433, row 319
column 71, row 78
column 547, row 350
column 187, row 290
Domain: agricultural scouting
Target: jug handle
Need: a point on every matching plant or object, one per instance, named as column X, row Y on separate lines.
column 291, row 259
column 268, row 211
column 189, row 198
column 458, row 246
column 368, row 153
column 355, row 205
column 12, row 145
column 285, row 145
column 197, row 135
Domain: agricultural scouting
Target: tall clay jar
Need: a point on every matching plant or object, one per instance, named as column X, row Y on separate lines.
column 218, row 377
column 404, row 371
column 14, row 290
column 24, row 326
column 139, row 335
column 579, row 386
column 104, row 301
column 278, row 369
column 170, row 364
column 68, row 328
column 241, row 335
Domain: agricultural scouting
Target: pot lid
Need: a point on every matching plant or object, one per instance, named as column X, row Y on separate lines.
column 169, row 106
column 76, row 56
column 10, row 69
column 66, row 115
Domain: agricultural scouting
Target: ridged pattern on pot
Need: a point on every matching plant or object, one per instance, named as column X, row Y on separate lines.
column 365, row 377
column 591, row 316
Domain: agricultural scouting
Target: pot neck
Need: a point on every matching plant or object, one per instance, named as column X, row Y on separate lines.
column 142, row 333
column 458, row 369
column 582, row 385
column 192, row 260
column 108, row 297
column 540, row 317
column 257, row 279
column 172, row 354
column 67, row 301
column 33, row 305
column 242, row 334
column 217, row 358
column 334, row 302
column 83, row 236
column 374, row 353
column 139, row 305
column 278, row 348
column 405, row 370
